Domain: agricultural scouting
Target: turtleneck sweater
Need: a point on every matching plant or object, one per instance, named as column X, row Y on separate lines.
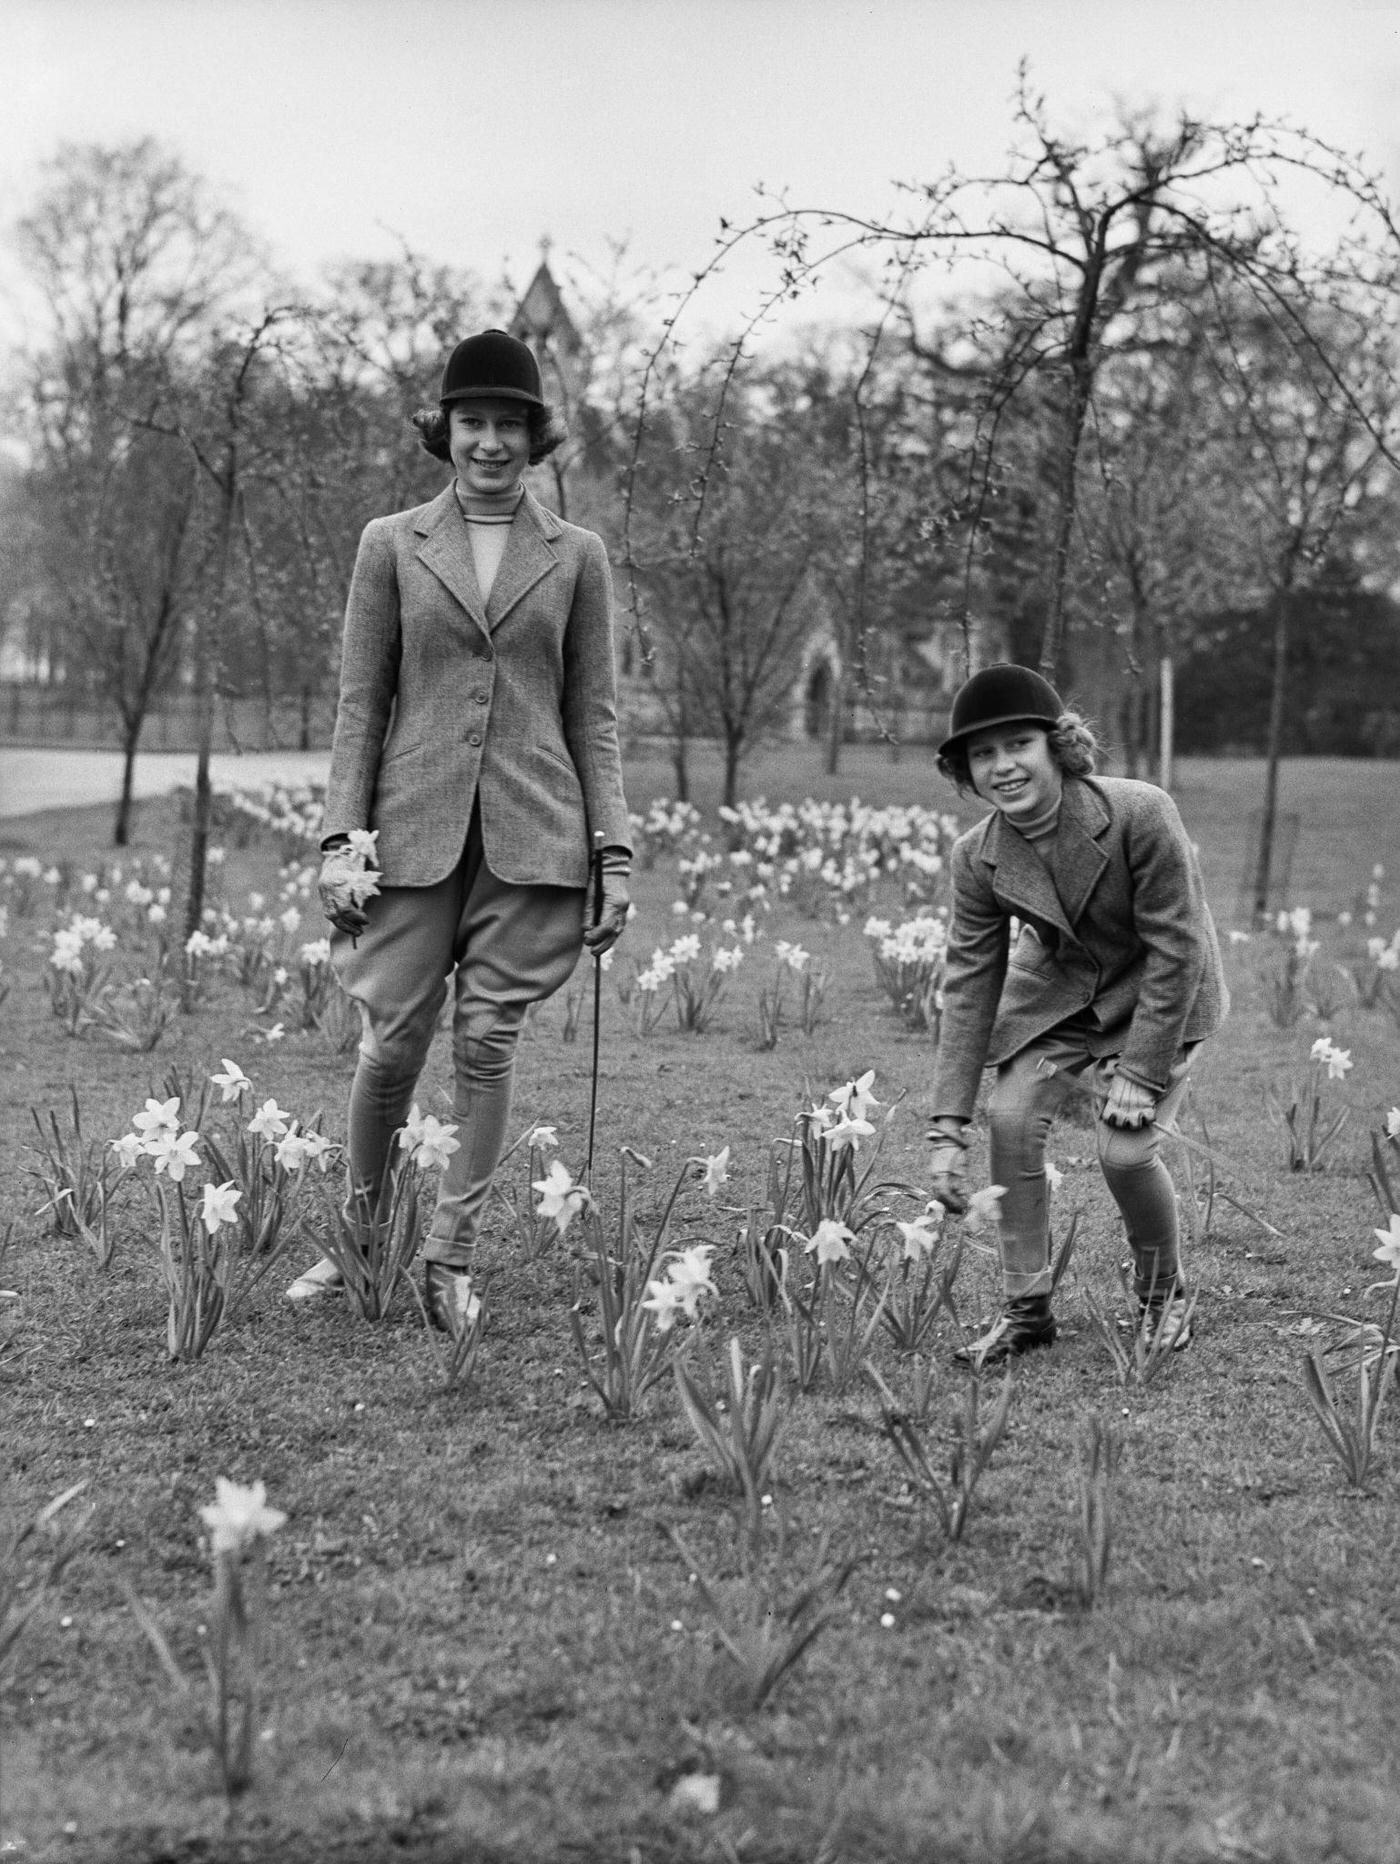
column 488, row 523
column 1041, row 832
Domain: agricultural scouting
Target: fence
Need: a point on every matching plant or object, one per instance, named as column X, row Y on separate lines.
column 44, row 716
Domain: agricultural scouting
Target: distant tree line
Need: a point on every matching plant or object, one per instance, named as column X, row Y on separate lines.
column 1157, row 432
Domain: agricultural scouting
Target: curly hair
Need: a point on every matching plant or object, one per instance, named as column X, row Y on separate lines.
column 547, row 431
column 1072, row 745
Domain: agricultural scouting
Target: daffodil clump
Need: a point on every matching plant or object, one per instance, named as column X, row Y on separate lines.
column 631, row 1289
column 219, row 1238
column 793, row 967
column 910, row 961
column 691, row 983
column 1311, row 1127
column 374, row 1241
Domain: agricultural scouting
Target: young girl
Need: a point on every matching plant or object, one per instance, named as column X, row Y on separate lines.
column 476, row 734
column 1113, row 981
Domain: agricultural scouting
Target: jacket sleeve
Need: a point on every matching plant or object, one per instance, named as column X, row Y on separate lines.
column 1172, row 921
column 590, row 698
column 369, row 677
column 978, row 944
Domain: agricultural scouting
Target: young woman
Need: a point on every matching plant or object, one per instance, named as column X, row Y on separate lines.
column 1113, row 981
column 476, row 735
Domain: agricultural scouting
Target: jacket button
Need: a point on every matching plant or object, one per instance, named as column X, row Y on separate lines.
column 475, row 738
column 480, row 698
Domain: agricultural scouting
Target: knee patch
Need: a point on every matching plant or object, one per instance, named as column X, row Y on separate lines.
column 487, row 1031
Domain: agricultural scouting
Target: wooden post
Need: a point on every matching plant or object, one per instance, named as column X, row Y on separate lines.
column 1166, row 748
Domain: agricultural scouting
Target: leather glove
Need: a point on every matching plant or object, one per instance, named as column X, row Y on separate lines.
column 1128, row 1103
column 948, row 1168
column 617, row 902
column 342, row 889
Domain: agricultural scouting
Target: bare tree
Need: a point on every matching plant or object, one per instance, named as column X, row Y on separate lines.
column 133, row 264
column 1310, row 429
column 1086, row 237
column 734, row 602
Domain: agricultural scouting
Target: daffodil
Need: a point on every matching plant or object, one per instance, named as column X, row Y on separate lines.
column 239, row 1516
column 920, row 1237
column 846, row 1132
column 269, row 1122
column 663, row 1302
column 174, row 1153
column 318, row 1148
column 233, row 1083
column 158, row 1116
column 714, row 1171
column 436, row 1143
column 292, row 1151
column 689, row 1274
column 831, row 1241
column 560, row 1197
column 984, row 1207
column 1389, row 1251
column 466, row 1302
column 855, row 1099
column 220, row 1205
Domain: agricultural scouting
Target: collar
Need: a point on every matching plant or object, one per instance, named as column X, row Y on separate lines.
column 502, row 510
column 1057, row 893
column 447, row 552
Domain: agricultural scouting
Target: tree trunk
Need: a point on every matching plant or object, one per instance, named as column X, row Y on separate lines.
column 131, row 739
column 1263, row 870
column 1066, row 502
column 733, row 757
column 209, row 631
column 834, row 721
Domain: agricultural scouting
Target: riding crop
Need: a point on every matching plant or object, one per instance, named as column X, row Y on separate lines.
column 596, row 869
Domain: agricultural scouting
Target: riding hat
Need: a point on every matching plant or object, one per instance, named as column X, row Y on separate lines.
column 494, row 363
column 1000, row 695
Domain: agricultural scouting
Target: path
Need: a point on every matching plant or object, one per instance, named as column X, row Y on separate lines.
column 54, row 779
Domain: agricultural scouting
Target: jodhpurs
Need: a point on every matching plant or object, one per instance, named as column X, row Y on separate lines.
column 1030, row 1090
column 503, row 947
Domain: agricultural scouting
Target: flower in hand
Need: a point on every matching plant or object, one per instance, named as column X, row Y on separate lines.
column 349, row 877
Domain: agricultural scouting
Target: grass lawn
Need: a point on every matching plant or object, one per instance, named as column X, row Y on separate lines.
column 484, row 1644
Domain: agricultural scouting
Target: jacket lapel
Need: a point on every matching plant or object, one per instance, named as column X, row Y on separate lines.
column 447, row 552
column 1022, row 878
column 1078, row 860
column 528, row 557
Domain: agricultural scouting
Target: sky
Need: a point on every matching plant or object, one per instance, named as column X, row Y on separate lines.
column 472, row 129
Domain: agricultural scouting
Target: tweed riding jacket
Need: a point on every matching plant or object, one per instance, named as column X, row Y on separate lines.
column 1115, row 932
column 446, row 700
